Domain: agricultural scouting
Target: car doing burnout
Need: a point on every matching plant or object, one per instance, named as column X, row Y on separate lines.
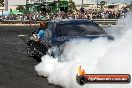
column 65, row 30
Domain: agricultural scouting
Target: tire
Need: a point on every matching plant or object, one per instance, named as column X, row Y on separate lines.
column 40, row 51
column 37, row 53
column 30, row 48
column 36, row 50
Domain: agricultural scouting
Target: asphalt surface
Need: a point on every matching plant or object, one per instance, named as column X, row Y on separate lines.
column 16, row 67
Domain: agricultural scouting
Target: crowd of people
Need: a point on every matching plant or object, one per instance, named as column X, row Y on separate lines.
column 70, row 14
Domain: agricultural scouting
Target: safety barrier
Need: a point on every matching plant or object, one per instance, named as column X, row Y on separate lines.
column 105, row 21
column 98, row 21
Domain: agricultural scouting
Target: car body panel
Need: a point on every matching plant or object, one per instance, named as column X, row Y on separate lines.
column 65, row 30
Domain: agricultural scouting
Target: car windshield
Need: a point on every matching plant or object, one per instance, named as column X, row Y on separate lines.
column 79, row 28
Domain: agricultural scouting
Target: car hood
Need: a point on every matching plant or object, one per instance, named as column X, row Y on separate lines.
column 90, row 37
column 63, row 39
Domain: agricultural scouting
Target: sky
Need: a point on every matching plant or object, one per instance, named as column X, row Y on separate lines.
column 108, row 1
column 116, row 1
column 16, row 2
column 22, row 2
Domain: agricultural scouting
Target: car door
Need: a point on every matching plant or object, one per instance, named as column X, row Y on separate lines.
column 60, row 39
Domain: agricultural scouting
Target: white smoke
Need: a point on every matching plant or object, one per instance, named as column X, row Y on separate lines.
column 96, row 56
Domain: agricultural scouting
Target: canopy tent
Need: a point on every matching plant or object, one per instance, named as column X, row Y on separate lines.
column 5, row 13
column 16, row 12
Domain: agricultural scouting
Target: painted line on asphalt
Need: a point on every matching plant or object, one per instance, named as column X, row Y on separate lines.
column 22, row 35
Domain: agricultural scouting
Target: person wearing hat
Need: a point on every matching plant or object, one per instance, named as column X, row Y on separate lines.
column 39, row 34
column 41, row 31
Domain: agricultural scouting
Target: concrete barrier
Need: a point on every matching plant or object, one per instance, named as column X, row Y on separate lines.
column 98, row 21
column 105, row 21
column 19, row 22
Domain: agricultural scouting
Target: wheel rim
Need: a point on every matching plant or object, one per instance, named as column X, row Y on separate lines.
column 30, row 49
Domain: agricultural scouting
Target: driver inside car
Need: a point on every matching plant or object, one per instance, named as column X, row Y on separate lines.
column 39, row 34
column 41, row 31
column 43, row 34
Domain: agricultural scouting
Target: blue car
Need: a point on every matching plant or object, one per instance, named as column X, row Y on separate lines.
column 65, row 30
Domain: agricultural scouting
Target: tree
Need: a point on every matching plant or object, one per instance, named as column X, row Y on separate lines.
column 20, row 7
column 72, row 5
column 129, row 6
column 1, row 3
column 102, row 3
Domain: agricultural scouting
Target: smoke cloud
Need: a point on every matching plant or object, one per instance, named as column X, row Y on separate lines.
column 99, row 56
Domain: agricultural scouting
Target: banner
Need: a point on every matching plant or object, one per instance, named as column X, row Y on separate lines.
column 16, row 2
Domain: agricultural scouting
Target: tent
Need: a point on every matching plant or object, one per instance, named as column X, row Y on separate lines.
column 5, row 13
column 16, row 12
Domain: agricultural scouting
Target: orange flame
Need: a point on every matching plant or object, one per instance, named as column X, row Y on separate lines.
column 81, row 72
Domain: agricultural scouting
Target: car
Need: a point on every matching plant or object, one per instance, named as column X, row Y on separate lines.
column 64, row 30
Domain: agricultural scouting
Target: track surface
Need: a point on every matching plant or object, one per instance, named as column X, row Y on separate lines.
column 16, row 67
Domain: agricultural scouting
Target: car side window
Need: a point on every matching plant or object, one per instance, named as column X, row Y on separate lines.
column 57, row 32
column 50, row 26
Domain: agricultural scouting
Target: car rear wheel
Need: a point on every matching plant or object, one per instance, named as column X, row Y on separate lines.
column 40, row 50
column 30, row 48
